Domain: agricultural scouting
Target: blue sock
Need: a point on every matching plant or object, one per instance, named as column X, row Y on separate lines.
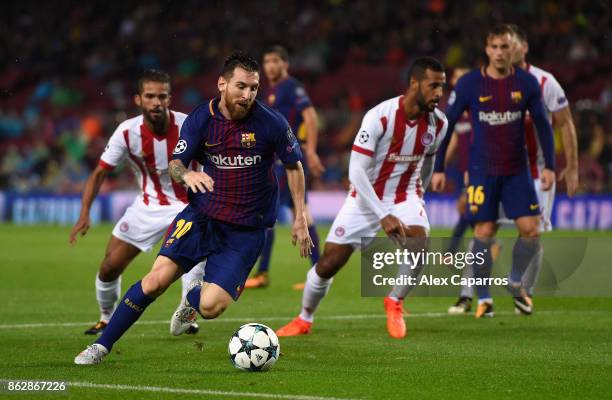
column 458, row 233
column 525, row 249
column 484, row 270
column 266, row 253
column 193, row 297
column 314, row 256
column 130, row 308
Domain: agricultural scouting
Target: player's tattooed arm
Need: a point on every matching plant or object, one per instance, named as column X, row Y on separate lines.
column 195, row 180
column 176, row 169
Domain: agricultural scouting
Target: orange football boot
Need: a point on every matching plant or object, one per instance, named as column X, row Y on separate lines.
column 396, row 326
column 260, row 280
column 295, row 328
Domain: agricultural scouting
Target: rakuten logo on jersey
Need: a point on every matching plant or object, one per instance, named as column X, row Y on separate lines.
column 234, row 162
column 499, row 118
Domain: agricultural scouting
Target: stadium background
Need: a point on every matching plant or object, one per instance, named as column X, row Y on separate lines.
column 69, row 71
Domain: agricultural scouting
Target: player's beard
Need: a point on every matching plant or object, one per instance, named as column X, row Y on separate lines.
column 424, row 106
column 157, row 120
column 235, row 110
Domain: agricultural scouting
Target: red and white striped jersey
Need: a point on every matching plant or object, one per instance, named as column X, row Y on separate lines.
column 398, row 148
column 553, row 98
column 148, row 155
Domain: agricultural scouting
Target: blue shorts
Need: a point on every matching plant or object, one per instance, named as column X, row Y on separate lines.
column 283, row 186
column 516, row 193
column 230, row 250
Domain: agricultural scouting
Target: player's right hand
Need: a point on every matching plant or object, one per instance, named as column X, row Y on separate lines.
column 314, row 164
column 395, row 229
column 198, row 181
column 438, row 181
column 82, row 226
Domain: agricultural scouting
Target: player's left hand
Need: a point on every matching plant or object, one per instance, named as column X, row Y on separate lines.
column 299, row 233
column 315, row 166
column 547, row 179
column 571, row 180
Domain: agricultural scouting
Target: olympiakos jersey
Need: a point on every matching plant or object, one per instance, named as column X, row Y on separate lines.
column 238, row 156
column 398, row 148
column 553, row 98
column 147, row 154
column 289, row 98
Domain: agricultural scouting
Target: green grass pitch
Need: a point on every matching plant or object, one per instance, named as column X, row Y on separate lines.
column 563, row 351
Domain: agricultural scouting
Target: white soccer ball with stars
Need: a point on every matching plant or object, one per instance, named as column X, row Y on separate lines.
column 254, row 347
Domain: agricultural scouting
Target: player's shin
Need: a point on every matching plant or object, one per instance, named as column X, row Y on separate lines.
column 524, row 251
column 316, row 288
column 530, row 278
column 127, row 313
column 314, row 255
column 107, row 294
column 404, row 273
column 195, row 274
column 483, row 271
column 266, row 253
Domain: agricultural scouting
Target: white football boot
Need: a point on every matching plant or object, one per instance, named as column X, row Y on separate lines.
column 92, row 355
column 185, row 315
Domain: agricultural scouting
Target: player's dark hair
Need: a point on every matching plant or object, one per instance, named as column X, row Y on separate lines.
column 499, row 30
column 519, row 32
column 278, row 50
column 239, row 59
column 421, row 64
column 152, row 75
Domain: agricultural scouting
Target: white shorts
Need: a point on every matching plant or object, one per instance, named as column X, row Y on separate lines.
column 354, row 221
column 546, row 201
column 143, row 225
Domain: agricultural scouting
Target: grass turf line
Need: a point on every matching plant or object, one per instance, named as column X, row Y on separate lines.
column 43, row 280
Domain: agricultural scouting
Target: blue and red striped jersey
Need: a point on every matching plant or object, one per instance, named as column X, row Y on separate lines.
column 497, row 110
column 238, row 156
column 289, row 98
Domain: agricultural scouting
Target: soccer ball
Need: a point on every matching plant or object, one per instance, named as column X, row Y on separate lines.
column 254, row 347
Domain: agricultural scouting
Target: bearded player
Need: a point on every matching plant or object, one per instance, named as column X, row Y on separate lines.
column 390, row 167
column 144, row 142
column 231, row 203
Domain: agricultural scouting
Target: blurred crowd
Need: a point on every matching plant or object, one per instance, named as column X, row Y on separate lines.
column 69, row 69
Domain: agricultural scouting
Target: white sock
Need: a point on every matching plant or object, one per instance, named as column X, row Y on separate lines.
column 196, row 273
column 107, row 294
column 316, row 288
column 401, row 291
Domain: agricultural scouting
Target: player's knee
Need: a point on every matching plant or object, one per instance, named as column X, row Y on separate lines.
column 212, row 310
column 109, row 270
column 485, row 231
column 327, row 267
column 530, row 232
column 152, row 285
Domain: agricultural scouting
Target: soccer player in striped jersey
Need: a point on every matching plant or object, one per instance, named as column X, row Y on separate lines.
column 390, row 167
column 286, row 95
column 146, row 143
column 231, row 202
column 498, row 97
